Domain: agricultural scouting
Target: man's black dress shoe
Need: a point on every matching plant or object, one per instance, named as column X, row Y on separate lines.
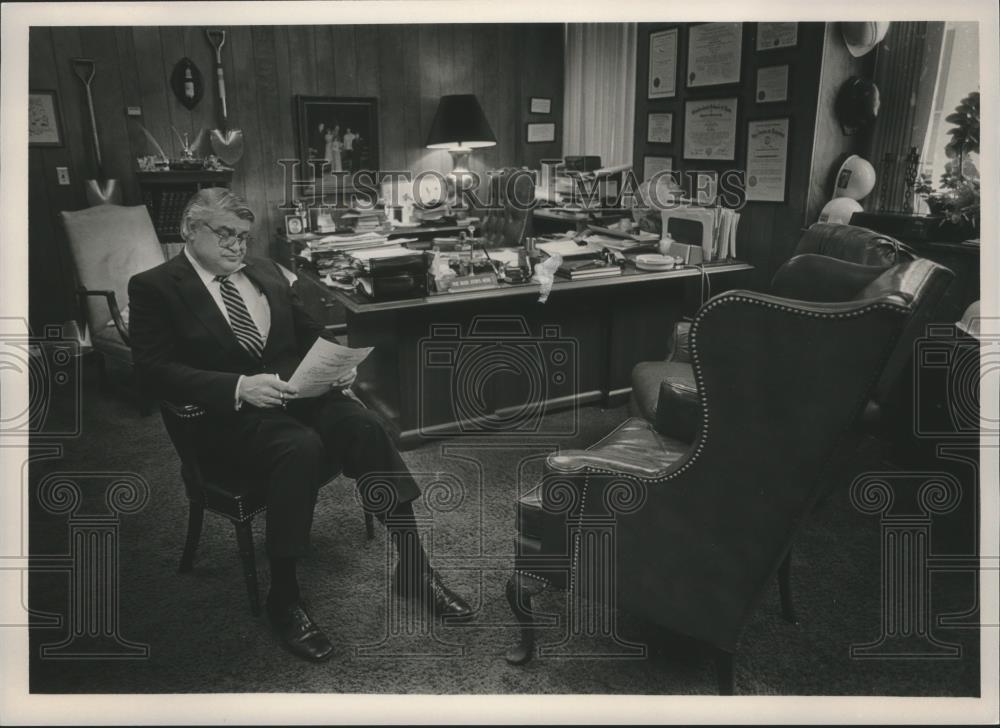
column 298, row 633
column 431, row 591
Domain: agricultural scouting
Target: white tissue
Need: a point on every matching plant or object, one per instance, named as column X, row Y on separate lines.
column 545, row 273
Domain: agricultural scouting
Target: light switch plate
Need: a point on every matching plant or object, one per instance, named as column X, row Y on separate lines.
column 133, row 111
column 62, row 174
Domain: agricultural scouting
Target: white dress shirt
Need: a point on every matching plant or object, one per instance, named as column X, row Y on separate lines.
column 255, row 300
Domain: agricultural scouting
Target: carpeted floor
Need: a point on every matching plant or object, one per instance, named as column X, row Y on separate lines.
column 202, row 637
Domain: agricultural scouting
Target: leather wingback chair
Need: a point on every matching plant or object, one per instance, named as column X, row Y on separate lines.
column 511, row 197
column 832, row 262
column 687, row 535
column 817, row 279
column 109, row 244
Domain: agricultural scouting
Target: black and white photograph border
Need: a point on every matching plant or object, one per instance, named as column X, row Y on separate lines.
column 887, row 609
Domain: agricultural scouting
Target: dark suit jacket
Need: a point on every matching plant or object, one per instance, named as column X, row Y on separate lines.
column 182, row 346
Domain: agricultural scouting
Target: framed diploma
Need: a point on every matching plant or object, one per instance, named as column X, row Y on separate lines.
column 659, row 127
column 772, row 84
column 663, row 64
column 777, row 35
column 656, row 165
column 710, row 129
column 714, row 51
column 767, row 160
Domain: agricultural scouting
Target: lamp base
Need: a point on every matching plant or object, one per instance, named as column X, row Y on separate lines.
column 460, row 178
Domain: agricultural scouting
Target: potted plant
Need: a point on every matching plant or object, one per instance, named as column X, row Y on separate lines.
column 956, row 200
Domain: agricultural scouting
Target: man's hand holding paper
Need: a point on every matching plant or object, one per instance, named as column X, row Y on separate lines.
column 327, row 366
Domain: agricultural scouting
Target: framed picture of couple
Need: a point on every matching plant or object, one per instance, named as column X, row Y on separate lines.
column 342, row 131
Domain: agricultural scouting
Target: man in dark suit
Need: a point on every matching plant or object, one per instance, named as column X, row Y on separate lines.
column 216, row 329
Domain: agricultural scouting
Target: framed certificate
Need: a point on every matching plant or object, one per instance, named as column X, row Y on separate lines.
column 714, row 51
column 540, row 105
column 656, row 165
column 777, row 35
column 772, row 84
column 767, row 160
column 710, row 129
column 663, row 64
column 540, row 132
column 659, row 127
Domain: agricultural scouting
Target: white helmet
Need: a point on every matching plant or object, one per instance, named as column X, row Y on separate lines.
column 862, row 37
column 855, row 179
column 839, row 209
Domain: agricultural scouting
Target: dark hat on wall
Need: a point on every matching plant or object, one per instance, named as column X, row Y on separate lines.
column 857, row 104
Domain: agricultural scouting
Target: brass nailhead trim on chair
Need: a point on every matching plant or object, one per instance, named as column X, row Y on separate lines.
column 696, row 362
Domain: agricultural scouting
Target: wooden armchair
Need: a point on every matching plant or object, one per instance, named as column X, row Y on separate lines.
column 229, row 494
column 687, row 534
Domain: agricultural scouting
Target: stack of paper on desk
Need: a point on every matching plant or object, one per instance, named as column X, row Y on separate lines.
column 568, row 248
column 365, row 258
column 354, row 241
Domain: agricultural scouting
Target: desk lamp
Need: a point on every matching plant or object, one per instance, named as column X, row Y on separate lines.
column 460, row 126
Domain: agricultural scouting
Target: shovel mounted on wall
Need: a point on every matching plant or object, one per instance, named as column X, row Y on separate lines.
column 99, row 191
column 226, row 143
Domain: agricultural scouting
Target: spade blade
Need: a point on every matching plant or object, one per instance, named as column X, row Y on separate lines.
column 227, row 145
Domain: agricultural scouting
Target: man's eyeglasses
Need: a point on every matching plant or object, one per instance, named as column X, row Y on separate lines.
column 227, row 237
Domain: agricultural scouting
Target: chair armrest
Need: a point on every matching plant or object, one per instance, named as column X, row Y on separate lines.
column 183, row 411
column 678, row 410
column 634, row 448
column 680, row 349
column 116, row 314
column 184, row 423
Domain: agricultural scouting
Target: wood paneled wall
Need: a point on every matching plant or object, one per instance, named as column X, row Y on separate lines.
column 768, row 231
column 831, row 146
column 407, row 67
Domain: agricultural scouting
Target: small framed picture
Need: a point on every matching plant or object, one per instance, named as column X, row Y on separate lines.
column 293, row 225
column 656, row 165
column 659, row 127
column 44, row 125
column 777, row 35
column 541, row 132
column 541, row 105
column 772, row 84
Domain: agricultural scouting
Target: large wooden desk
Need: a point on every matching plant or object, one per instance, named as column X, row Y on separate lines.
column 497, row 361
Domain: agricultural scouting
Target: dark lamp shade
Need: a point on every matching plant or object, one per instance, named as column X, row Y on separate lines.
column 460, row 121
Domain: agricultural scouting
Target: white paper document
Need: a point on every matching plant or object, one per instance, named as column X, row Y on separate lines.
column 324, row 364
column 567, row 247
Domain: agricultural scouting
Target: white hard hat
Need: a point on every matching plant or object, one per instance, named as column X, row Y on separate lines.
column 855, row 179
column 862, row 37
column 971, row 320
column 839, row 209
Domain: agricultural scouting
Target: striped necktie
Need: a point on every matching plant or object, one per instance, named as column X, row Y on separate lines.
column 239, row 318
